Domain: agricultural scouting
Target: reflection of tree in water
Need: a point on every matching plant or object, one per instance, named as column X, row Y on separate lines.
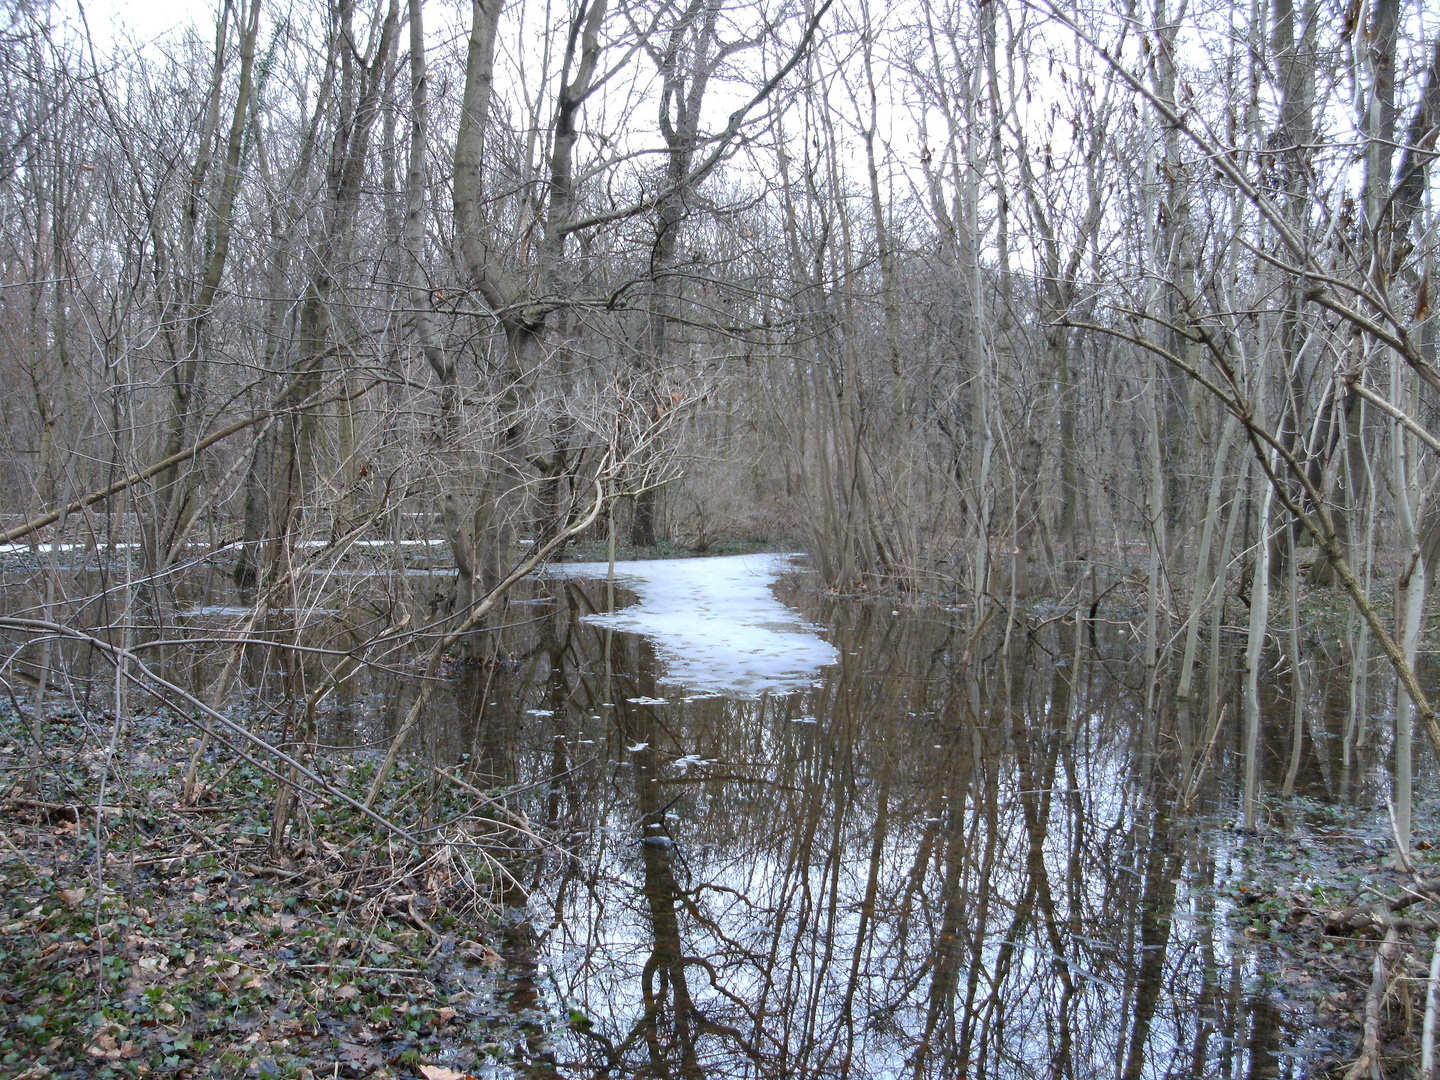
column 665, row 989
column 954, row 870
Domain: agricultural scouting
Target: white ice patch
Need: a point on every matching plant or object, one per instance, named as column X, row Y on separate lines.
column 49, row 549
column 716, row 625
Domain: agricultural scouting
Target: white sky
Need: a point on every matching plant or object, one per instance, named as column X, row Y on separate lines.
column 114, row 21
column 121, row 24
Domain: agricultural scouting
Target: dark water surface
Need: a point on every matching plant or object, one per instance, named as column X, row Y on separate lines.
column 935, row 858
column 922, row 865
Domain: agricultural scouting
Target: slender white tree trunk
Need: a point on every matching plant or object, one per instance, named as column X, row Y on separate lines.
column 1410, row 596
column 1209, row 588
column 1255, row 646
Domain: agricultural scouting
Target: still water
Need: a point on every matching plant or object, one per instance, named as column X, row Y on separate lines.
column 798, row 837
column 786, row 835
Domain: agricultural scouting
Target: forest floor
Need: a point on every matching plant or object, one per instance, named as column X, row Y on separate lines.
column 193, row 950
column 1315, row 891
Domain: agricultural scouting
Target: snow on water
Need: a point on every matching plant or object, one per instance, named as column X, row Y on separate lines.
column 24, row 549
column 715, row 623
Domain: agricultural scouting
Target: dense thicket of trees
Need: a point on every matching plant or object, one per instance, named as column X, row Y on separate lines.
column 998, row 299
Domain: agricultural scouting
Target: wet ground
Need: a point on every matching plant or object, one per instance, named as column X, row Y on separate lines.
column 897, row 850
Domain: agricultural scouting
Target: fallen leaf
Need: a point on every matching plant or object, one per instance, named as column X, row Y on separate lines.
column 363, row 1056
column 483, row 954
column 345, row 993
column 72, row 897
column 439, row 1072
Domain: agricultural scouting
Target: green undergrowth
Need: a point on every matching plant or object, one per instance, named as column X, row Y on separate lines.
column 182, row 944
column 1312, row 893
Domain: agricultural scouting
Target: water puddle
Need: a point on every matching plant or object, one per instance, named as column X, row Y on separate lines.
column 796, row 837
column 786, row 836
column 236, row 611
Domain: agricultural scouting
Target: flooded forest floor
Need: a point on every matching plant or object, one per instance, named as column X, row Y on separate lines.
column 201, row 953
column 198, row 944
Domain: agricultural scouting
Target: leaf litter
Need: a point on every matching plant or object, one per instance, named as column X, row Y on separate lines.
column 192, row 949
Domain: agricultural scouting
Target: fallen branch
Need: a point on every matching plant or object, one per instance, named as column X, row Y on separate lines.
column 1368, row 1063
column 1402, row 855
column 1382, row 913
column 68, row 811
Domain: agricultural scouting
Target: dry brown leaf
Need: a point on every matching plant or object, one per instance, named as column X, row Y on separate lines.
column 439, row 1072
column 483, row 954
column 103, row 1045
